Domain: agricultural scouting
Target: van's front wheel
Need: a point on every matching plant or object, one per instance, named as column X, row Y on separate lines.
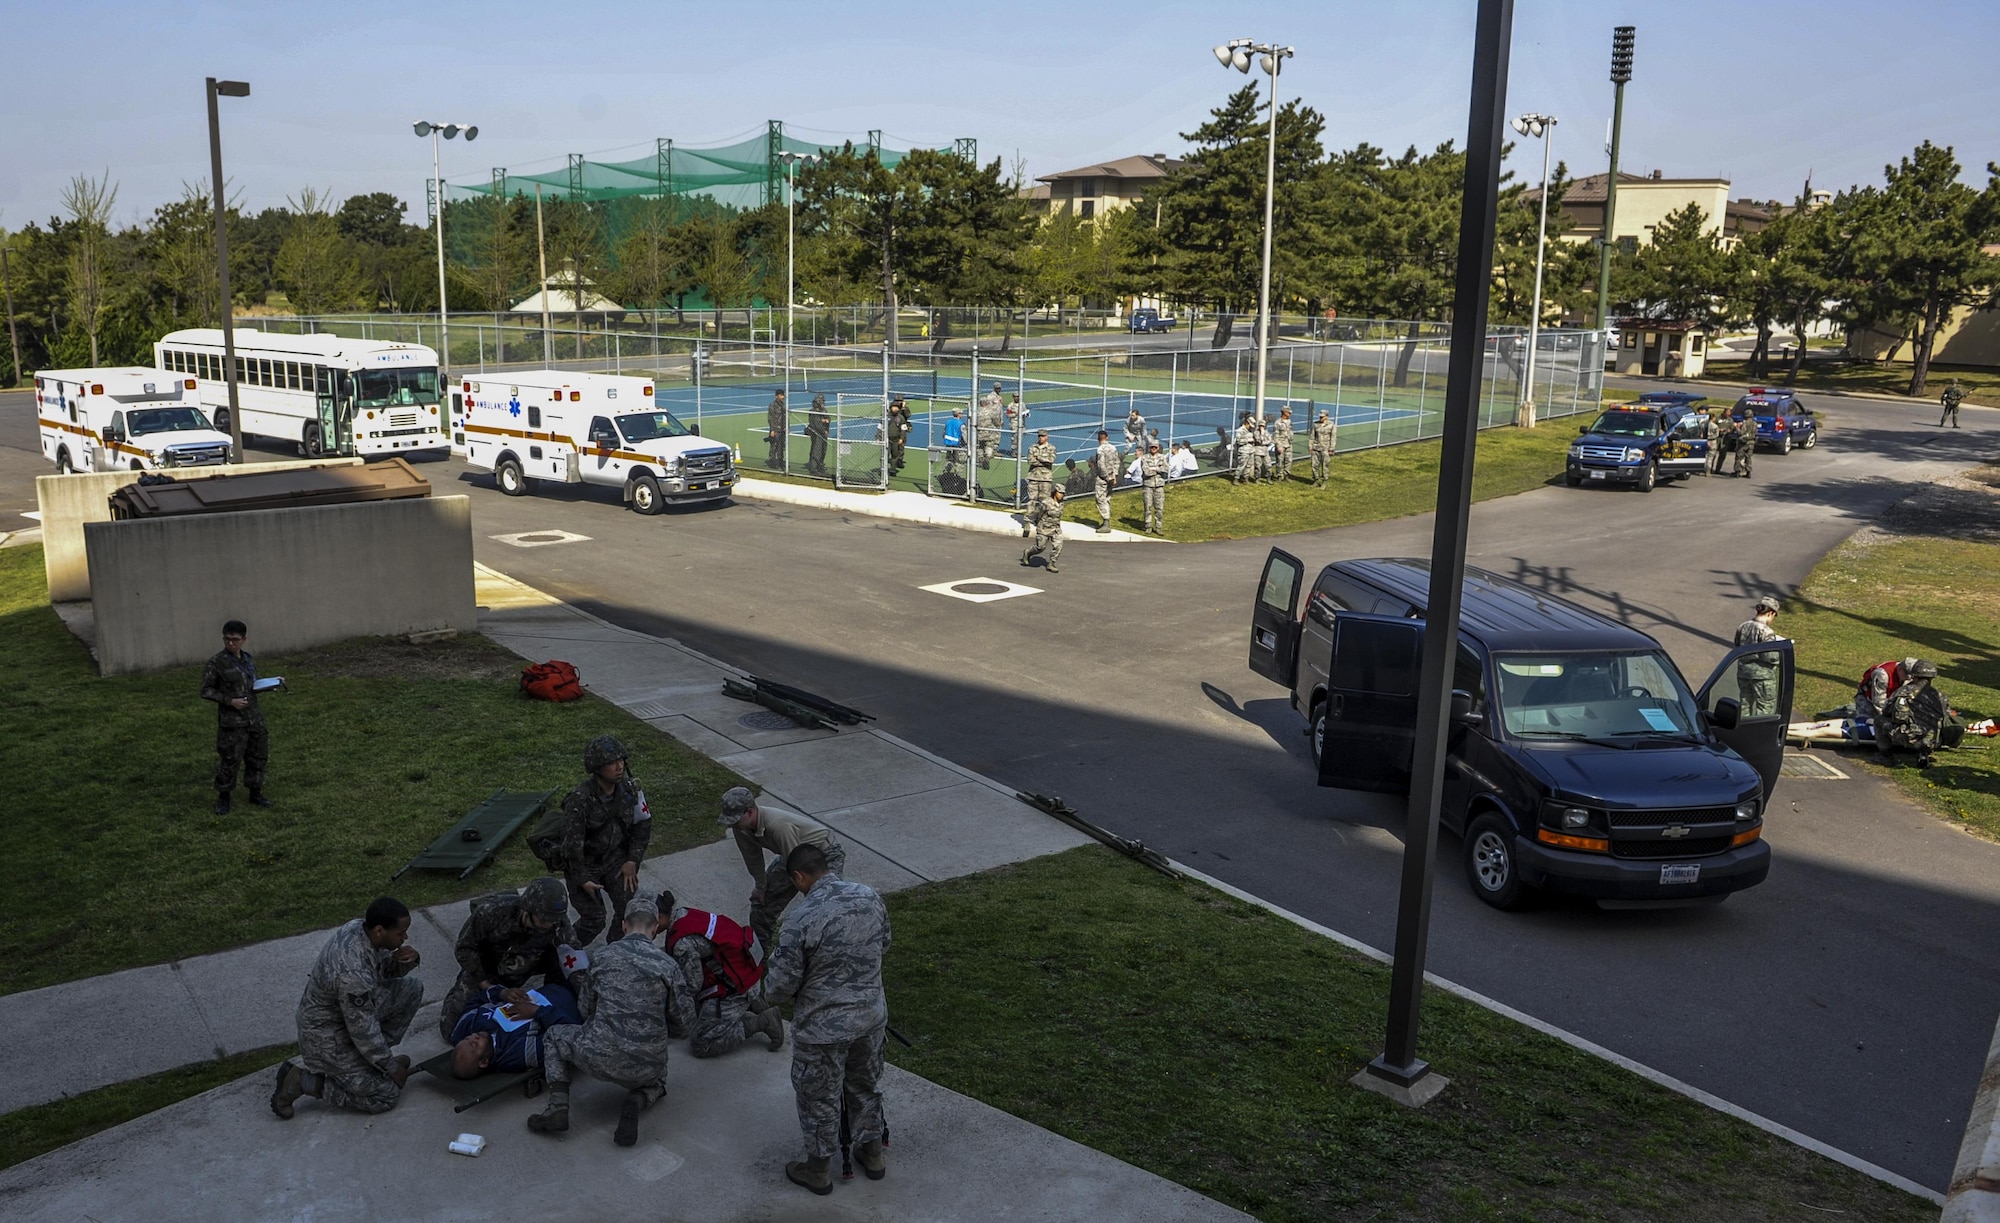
column 1316, row 736
column 646, row 498
column 1489, row 862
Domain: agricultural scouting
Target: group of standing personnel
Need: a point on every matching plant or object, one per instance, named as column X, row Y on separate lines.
column 529, row 998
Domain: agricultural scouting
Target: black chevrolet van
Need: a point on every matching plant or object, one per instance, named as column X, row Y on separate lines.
column 1579, row 761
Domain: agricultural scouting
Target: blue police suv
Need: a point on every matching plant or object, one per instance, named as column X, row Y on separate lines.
column 1578, row 759
column 1782, row 421
column 1641, row 443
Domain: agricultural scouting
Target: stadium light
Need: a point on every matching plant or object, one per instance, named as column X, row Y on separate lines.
column 224, row 89
column 791, row 161
column 1236, row 54
column 1622, row 38
column 448, row 131
column 1536, row 126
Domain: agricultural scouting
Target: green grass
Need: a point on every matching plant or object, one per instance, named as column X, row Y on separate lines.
column 375, row 750
column 1936, row 598
column 1980, row 384
column 1205, row 1040
column 28, row 1132
column 1365, row 486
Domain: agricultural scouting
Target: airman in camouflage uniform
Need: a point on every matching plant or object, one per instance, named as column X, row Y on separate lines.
column 757, row 830
column 1041, row 473
column 1246, row 451
column 508, row 940
column 1153, row 481
column 991, row 420
column 1950, row 400
column 1046, row 517
column 1135, row 431
column 606, row 825
column 631, row 993
column 830, row 960
column 777, row 426
column 1911, row 721
column 723, row 1019
column 899, row 432
column 359, row 1001
column 1757, row 674
column 1104, row 471
column 241, row 740
column 1281, row 447
column 1320, row 444
column 1746, row 445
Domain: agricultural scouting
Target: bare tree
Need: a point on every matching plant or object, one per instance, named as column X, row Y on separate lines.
column 89, row 202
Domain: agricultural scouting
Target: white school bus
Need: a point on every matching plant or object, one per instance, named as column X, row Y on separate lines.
column 326, row 394
column 575, row 428
column 112, row 419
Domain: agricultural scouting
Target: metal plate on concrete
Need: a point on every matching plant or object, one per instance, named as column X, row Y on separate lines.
column 766, row 719
column 980, row 590
column 541, row 539
column 1802, row 765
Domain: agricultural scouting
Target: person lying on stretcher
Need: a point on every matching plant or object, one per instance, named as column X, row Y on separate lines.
column 502, row 1029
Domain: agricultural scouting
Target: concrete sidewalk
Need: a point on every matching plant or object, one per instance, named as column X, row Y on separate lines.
column 931, row 511
column 715, row 1148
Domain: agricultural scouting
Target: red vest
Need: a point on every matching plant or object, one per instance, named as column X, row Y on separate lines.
column 738, row 962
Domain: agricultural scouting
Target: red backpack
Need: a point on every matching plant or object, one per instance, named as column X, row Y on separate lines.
column 552, row 681
column 738, row 962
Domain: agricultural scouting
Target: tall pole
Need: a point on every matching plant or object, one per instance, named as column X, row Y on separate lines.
column 1621, row 72
column 225, row 304
column 1398, row 1071
column 1541, row 245
column 1270, row 187
column 13, row 335
column 542, row 261
column 444, row 326
column 791, row 238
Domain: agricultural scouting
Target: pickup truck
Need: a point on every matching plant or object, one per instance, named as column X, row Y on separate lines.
column 1147, row 320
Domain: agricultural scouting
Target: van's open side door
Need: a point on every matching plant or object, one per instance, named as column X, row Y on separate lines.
column 1274, row 619
column 1371, row 703
column 1766, row 697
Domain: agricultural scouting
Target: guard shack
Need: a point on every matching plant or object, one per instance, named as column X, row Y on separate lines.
column 1660, row 347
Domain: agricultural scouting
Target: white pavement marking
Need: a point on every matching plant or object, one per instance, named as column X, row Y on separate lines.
column 981, row 590
column 1591, row 1047
column 34, row 514
column 540, row 539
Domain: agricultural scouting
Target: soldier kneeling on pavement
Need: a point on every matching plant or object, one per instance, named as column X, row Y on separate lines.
column 630, row 996
column 723, row 962
column 507, row 941
column 358, row 1003
column 1918, row 719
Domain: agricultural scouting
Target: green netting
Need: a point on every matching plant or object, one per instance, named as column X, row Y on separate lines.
column 746, row 174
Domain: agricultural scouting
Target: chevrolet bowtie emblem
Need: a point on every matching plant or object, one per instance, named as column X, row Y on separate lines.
column 1678, row 830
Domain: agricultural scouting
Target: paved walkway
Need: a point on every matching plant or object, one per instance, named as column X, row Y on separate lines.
column 932, row 511
column 906, row 817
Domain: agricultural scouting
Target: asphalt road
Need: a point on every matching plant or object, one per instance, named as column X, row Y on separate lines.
column 1851, row 997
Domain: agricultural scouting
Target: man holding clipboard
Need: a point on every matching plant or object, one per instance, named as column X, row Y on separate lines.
column 230, row 680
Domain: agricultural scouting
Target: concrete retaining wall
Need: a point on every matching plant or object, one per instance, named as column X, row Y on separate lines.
column 1975, row 1183
column 67, row 502
column 161, row 587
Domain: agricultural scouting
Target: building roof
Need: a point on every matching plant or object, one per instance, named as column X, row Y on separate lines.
column 1590, row 188
column 560, row 301
column 1144, row 167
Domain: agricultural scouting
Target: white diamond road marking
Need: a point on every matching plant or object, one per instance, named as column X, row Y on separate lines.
column 969, row 590
column 34, row 514
column 541, row 539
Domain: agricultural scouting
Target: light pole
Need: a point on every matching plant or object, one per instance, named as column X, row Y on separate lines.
column 448, row 131
column 791, row 161
column 1271, row 57
column 1621, row 73
column 1539, row 126
column 225, row 89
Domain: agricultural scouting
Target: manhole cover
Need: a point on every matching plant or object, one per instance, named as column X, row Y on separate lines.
column 1798, row 764
column 979, row 588
column 766, row 719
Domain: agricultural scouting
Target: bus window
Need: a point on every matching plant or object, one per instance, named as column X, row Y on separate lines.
column 384, row 388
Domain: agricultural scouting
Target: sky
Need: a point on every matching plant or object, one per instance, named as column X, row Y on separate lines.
column 1763, row 93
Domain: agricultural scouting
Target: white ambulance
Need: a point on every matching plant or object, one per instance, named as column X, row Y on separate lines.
column 575, row 428
column 124, row 418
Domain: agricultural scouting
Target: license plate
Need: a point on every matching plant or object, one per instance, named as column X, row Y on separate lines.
column 1597, row 475
column 1681, row 872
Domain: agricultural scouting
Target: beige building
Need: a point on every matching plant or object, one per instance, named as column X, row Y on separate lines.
column 1644, row 201
column 1090, row 190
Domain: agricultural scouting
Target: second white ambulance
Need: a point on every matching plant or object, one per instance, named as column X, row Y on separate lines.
column 576, row 428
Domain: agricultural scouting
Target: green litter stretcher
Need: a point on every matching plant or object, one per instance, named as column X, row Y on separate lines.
column 486, row 1086
column 477, row 837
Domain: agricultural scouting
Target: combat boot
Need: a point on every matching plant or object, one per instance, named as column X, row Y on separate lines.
column 869, row 1156
column 627, row 1133
column 812, row 1173
column 1024, row 560
column 554, row 1118
column 291, row 1085
column 222, row 802
column 1050, row 569
column 257, row 799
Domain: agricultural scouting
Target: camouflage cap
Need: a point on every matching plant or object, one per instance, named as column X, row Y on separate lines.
column 545, row 897
column 735, row 802
column 1768, row 604
column 1925, row 669
column 642, row 910
column 602, row 751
